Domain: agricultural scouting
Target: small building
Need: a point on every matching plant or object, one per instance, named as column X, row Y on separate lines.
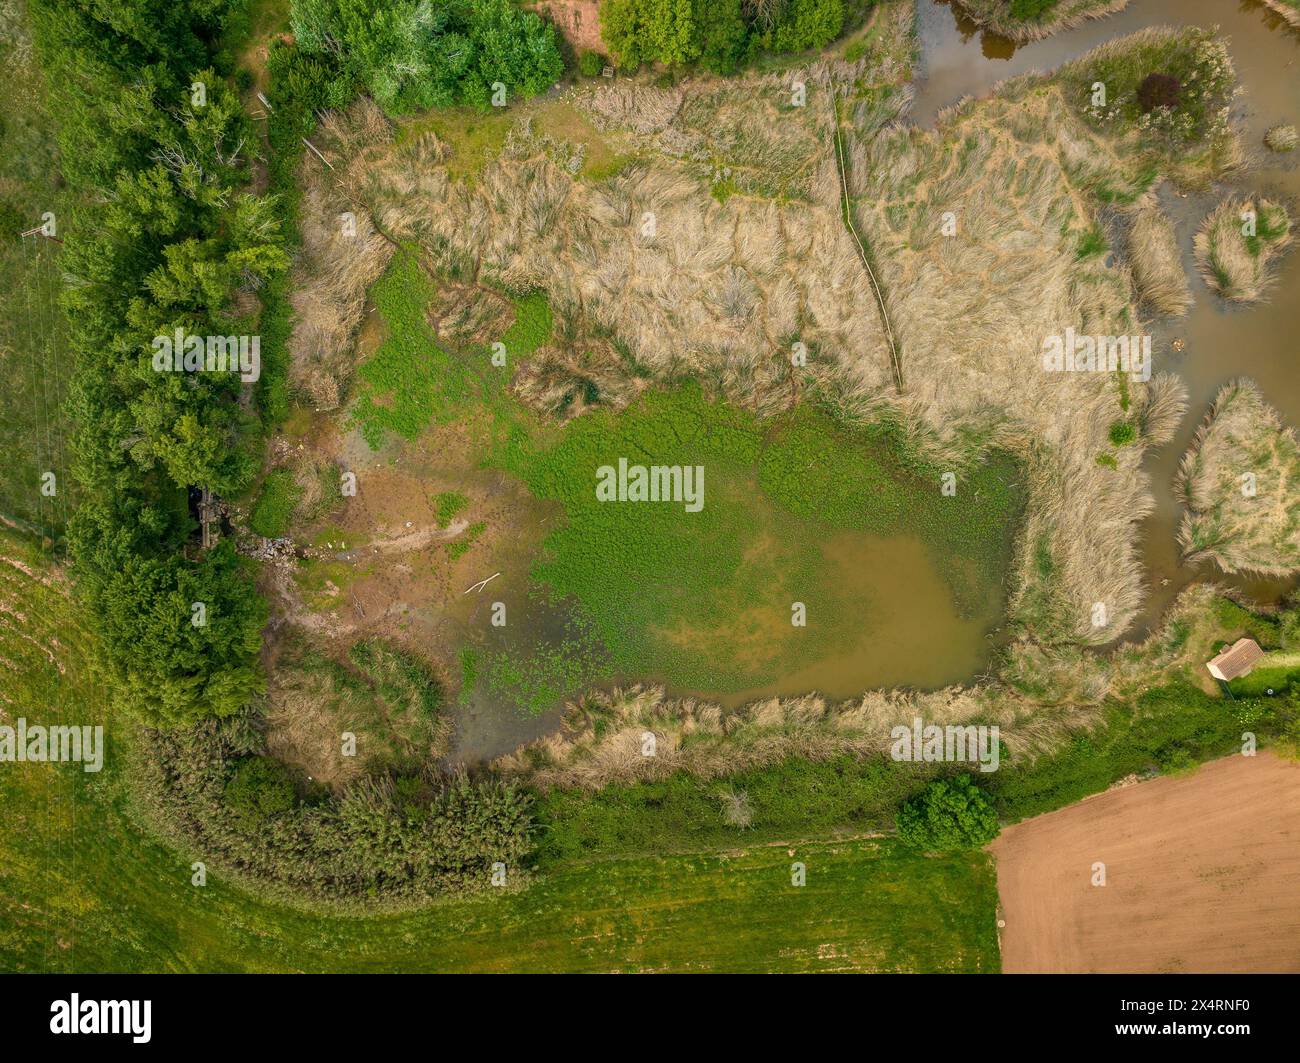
column 1237, row 660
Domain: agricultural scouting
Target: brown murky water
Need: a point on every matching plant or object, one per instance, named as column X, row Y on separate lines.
column 911, row 634
column 1220, row 342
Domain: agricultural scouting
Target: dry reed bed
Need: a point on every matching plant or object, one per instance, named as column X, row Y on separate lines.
column 1285, row 8
column 1011, row 179
column 689, row 284
column 1240, row 480
column 342, row 255
column 1156, row 261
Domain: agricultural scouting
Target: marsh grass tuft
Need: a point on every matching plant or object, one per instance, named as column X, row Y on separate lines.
column 1281, row 138
column 1156, row 261
column 1235, row 261
column 1238, row 480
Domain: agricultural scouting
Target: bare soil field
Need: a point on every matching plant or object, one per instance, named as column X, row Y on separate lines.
column 578, row 20
column 1202, row 875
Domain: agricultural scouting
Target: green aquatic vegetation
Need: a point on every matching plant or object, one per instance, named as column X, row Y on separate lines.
column 458, row 549
column 867, row 481
column 447, row 505
column 556, row 655
column 469, row 671
column 532, row 325
column 410, row 381
column 704, row 598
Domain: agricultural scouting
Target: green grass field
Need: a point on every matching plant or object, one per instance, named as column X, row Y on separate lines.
column 33, row 348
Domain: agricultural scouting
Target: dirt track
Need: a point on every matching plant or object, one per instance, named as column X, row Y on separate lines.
column 1202, row 875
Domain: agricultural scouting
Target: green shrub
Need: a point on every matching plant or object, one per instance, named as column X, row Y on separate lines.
column 151, row 248
column 805, row 24
column 164, row 668
column 948, row 815
column 1122, row 433
column 384, row 840
column 591, row 64
column 259, row 789
column 722, row 34
column 410, row 57
column 275, row 505
column 1159, row 90
column 650, row 31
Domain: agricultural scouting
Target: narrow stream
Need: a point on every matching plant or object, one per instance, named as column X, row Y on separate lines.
column 1220, row 342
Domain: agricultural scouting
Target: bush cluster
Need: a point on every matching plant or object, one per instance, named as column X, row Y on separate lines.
column 413, row 54
column 718, row 34
column 385, row 840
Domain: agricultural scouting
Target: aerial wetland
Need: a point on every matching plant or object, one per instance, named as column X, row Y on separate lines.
column 631, row 456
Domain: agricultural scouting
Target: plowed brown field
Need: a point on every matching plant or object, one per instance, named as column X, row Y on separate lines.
column 1202, row 875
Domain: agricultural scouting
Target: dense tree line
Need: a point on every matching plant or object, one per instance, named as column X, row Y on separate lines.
column 413, row 54
column 719, row 34
column 165, row 242
column 168, row 241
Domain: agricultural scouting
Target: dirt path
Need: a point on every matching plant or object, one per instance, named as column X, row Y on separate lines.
column 1202, row 875
column 846, row 210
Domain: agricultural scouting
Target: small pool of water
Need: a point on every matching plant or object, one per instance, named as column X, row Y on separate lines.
column 912, row 632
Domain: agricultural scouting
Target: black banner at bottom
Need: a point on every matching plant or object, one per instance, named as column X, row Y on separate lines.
column 1222, row 1013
